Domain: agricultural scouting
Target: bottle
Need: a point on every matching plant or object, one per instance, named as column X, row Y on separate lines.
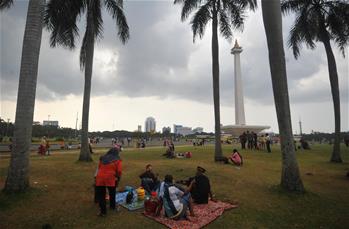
column 151, row 204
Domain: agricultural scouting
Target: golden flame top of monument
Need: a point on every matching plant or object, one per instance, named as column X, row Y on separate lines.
column 237, row 46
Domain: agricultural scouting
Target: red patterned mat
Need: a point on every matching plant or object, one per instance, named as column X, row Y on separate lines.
column 204, row 214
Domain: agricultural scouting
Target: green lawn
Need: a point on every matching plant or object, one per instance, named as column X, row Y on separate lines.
column 62, row 193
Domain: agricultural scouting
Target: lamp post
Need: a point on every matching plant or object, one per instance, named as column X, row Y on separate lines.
column 48, row 126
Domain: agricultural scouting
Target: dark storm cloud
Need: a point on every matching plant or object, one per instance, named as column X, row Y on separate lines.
column 159, row 60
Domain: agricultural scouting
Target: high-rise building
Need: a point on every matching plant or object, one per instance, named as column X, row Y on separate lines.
column 150, row 125
column 139, row 129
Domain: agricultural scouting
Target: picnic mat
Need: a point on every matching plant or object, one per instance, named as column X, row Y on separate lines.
column 204, row 214
column 134, row 206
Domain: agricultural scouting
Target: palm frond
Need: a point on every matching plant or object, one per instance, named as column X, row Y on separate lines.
column 236, row 14
column 224, row 25
column 96, row 9
column 338, row 24
column 302, row 31
column 188, row 7
column 60, row 17
column 83, row 51
column 199, row 20
column 115, row 8
column 5, row 4
column 246, row 4
column 288, row 6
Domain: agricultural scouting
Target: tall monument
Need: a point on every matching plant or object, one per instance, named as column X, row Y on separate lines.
column 240, row 122
column 239, row 94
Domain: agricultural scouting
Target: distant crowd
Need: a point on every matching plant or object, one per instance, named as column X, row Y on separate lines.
column 253, row 141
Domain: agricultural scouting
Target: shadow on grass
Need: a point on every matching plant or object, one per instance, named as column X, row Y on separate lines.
column 10, row 200
column 282, row 192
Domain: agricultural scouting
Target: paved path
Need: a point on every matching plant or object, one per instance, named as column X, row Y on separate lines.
column 103, row 144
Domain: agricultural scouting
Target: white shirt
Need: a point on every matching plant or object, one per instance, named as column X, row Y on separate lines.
column 175, row 195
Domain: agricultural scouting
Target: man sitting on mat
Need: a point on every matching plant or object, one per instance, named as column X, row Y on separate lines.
column 200, row 187
column 149, row 181
column 175, row 201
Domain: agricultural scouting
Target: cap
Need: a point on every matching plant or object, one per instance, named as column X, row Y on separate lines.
column 199, row 168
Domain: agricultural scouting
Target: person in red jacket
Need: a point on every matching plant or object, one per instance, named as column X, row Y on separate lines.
column 107, row 176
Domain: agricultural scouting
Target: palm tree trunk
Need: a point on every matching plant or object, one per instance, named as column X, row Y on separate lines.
column 18, row 173
column 85, row 154
column 215, row 73
column 332, row 70
column 290, row 177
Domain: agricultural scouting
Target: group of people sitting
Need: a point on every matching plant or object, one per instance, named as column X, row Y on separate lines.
column 177, row 198
column 174, row 197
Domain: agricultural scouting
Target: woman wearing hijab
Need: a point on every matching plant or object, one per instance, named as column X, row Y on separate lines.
column 107, row 176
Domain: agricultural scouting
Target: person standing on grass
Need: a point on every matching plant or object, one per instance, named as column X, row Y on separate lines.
column 255, row 140
column 243, row 139
column 268, row 142
column 249, row 140
column 42, row 147
column 108, row 176
column 48, row 151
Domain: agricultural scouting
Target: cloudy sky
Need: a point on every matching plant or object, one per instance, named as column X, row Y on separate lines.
column 160, row 72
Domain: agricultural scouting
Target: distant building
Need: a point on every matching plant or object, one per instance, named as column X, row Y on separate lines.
column 182, row 130
column 166, row 130
column 49, row 123
column 175, row 128
column 150, row 125
column 36, row 123
column 198, row 130
column 139, row 129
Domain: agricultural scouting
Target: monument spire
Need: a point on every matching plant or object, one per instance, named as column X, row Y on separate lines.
column 240, row 124
column 239, row 95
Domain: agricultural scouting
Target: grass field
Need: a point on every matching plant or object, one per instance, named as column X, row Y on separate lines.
column 62, row 193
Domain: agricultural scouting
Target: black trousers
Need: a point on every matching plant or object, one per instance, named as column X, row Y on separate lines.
column 100, row 194
column 268, row 147
column 243, row 145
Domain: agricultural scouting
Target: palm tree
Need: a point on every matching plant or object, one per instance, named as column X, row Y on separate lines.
column 322, row 20
column 290, row 177
column 61, row 19
column 227, row 15
column 5, row 4
column 18, row 172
